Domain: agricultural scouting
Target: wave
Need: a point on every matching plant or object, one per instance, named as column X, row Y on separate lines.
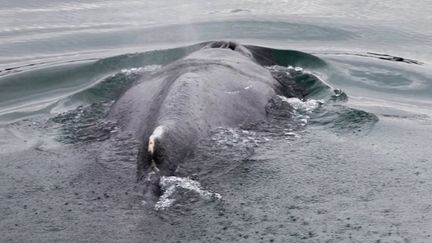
column 69, row 89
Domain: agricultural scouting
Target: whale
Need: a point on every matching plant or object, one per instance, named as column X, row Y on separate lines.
column 222, row 84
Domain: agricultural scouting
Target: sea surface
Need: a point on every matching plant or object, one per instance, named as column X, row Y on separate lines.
column 352, row 165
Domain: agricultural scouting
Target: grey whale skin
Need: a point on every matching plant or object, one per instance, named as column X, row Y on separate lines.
column 220, row 85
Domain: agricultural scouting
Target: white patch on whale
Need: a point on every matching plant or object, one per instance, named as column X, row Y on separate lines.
column 157, row 133
column 238, row 91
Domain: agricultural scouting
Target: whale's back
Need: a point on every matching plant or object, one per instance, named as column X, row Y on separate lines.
column 213, row 87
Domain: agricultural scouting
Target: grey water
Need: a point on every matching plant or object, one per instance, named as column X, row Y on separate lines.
column 357, row 169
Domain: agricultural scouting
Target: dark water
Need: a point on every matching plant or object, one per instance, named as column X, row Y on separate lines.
column 351, row 165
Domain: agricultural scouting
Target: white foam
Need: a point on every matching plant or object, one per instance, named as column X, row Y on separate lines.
column 148, row 68
column 169, row 185
column 298, row 69
column 291, row 134
column 235, row 137
column 306, row 106
column 302, row 109
column 289, row 69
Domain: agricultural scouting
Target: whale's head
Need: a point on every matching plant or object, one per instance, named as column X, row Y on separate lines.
column 230, row 54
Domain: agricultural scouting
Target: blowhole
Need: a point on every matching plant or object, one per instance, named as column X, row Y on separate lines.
column 224, row 44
